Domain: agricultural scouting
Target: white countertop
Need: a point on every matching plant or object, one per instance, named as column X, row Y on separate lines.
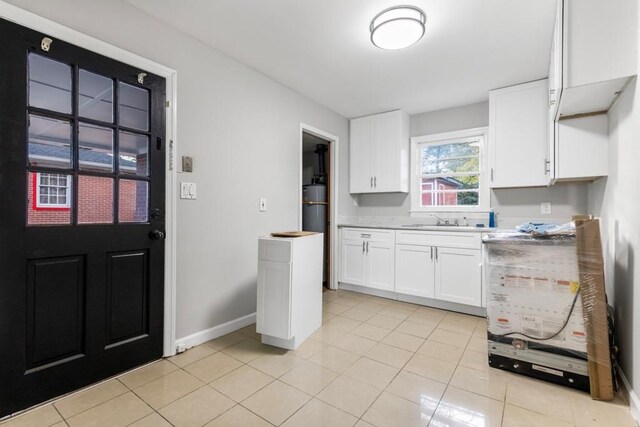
column 420, row 227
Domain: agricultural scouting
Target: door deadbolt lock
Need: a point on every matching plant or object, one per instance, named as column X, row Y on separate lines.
column 156, row 235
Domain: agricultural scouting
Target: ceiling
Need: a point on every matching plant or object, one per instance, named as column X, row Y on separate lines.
column 321, row 48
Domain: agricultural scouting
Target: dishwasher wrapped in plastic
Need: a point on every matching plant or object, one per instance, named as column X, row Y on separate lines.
column 544, row 297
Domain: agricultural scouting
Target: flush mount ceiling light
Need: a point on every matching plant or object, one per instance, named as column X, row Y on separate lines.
column 397, row 27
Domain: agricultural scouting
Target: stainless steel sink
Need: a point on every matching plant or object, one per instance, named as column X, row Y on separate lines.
column 452, row 225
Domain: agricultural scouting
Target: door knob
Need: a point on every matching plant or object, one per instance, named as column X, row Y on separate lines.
column 156, row 235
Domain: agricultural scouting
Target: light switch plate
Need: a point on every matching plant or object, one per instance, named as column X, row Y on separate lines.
column 263, row 204
column 545, row 208
column 187, row 190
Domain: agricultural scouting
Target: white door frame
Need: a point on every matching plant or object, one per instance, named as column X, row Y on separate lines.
column 333, row 196
column 57, row 31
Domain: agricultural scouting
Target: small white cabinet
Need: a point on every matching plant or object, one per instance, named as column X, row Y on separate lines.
column 379, row 153
column 367, row 258
column 518, row 136
column 289, row 299
column 458, row 276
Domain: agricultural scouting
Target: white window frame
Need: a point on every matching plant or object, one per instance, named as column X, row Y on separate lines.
column 416, row 173
column 40, row 204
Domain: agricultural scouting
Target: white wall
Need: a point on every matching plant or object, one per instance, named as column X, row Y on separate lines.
column 222, row 106
column 513, row 204
column 615, row 201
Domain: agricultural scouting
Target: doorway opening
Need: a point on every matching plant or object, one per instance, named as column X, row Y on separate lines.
column 317, row 193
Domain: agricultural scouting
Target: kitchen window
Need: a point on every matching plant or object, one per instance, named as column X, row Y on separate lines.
column 448, row 172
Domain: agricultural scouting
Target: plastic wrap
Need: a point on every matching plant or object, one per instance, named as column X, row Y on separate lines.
column 546, row 304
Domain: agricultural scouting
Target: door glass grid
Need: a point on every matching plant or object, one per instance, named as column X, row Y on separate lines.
column 77, row 150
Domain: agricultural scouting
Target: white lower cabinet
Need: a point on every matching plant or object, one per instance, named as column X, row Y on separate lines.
column 367, row 258
column 441, row 266
column 415, row 270
column 458, row 276
column 274, row 298
column 352, row 262
column 379, row 265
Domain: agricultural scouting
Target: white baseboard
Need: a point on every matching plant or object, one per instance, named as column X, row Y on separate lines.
column 634, row 401
column 217, row 331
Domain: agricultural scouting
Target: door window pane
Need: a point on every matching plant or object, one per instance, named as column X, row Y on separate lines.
column 95, row 200
column 95, row 148
column 49, row 84
column 133, row 104
column 133, row 203
column 49, row 142
column 95, row 96
column 134, row 154
column 49, row 200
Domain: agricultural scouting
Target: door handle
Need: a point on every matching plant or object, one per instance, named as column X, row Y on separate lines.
column 156, row 235
column 363, row 247
column 375, row 182
column 367, row 248
column 436, row 254
column 547, row 166
column 431, row 253
column 371, row 182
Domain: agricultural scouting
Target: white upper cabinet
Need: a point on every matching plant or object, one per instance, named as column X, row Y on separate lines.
column 361, row 155
column 379, row 153
column 594, row 54
column 519, row 136
column 581, row 148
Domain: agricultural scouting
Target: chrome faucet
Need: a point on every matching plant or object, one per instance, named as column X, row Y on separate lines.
column 441, row 221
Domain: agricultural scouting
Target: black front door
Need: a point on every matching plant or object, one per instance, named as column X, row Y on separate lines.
column 81, row 217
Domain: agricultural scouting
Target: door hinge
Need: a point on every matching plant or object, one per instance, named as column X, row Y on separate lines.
column 141, row 77
column 167, row 104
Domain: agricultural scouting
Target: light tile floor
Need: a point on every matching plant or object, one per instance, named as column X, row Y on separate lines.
column 374, row 362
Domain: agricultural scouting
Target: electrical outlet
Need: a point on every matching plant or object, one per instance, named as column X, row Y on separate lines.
column 263, row 204
column 545, row 208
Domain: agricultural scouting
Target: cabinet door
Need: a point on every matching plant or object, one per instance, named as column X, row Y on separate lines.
column 583, row 147
column 518, row 135
column 360, row 155
column 380, row 265
column 386, row 169
column 415, row 273
column 274, row 299
column 458, row 276
column 352, row 256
